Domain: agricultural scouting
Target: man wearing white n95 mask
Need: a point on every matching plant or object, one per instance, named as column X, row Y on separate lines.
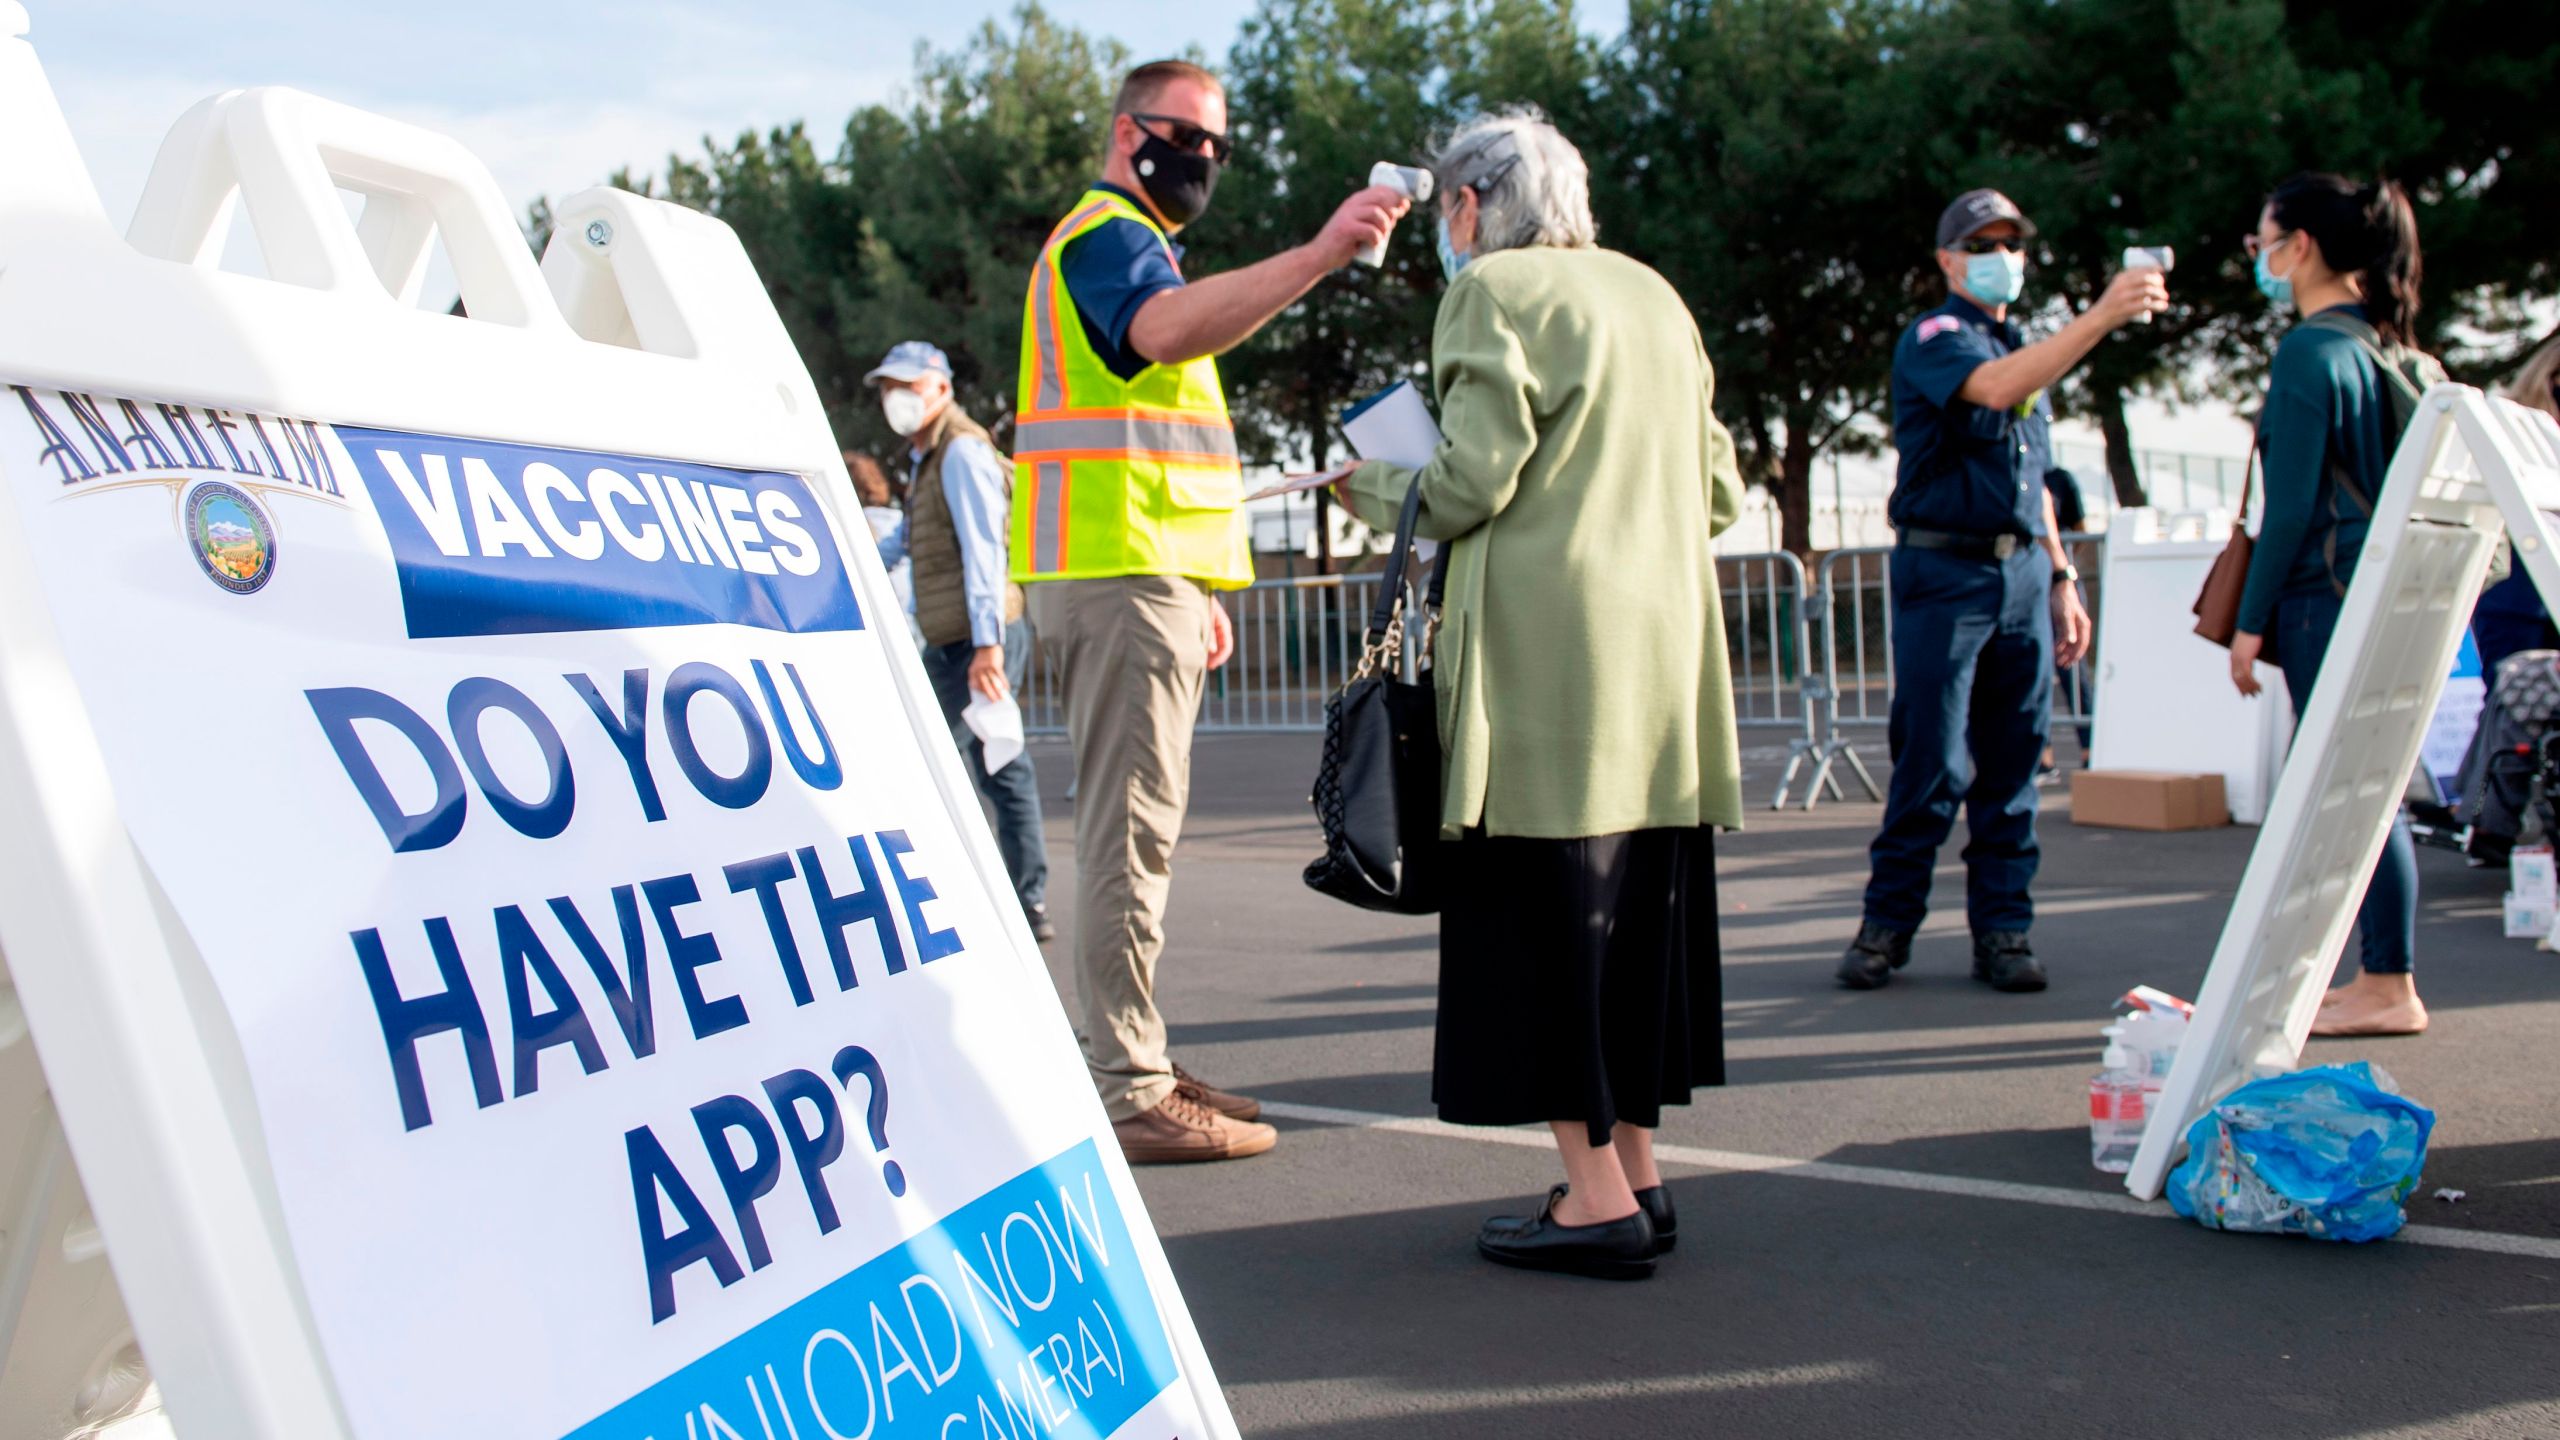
column 959, row 498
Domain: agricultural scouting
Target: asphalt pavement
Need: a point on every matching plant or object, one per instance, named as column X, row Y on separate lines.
column 1950, row 1266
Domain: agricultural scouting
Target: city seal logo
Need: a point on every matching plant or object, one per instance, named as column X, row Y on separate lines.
column 232, row 538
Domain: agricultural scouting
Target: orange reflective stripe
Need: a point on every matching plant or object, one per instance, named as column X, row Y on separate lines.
column 1137, row 412
column 1200, row 458
column 1051, row 364
column 1078, row 218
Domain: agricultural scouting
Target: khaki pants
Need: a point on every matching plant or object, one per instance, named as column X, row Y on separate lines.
column 1132, row 651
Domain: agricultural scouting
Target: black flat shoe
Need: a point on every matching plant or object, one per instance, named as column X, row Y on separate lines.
column 1656, row 1203
column 1873, row 956
column 1613, row 1250
column 1655, row 1200
column 1504, row 1225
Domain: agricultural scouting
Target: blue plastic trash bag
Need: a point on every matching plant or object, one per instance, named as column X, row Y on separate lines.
column 2328, row 1152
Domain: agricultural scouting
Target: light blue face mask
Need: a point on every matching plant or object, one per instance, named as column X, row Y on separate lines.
column 1451, row 262
column 2277, row 288
column 1996, row 278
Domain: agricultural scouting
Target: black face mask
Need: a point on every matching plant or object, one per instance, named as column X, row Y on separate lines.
column 1178, row 182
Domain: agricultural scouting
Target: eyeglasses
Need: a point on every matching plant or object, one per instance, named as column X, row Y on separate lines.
column 1187, row 137
column 2251, row 244
column 1985, row 244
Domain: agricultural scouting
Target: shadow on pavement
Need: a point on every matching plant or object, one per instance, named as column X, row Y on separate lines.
column 1799, row 1308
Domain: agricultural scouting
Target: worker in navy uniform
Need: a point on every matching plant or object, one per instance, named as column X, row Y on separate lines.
column 1985, row 601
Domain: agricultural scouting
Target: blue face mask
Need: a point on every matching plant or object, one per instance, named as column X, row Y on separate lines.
column 2277, row 288
column 1451, row 262
column 1997, row 278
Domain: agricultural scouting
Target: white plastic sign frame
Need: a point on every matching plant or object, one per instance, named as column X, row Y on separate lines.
column 644, row 332
column 2471, row 468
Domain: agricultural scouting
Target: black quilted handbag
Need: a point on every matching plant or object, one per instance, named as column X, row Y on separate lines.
column 1377, row 792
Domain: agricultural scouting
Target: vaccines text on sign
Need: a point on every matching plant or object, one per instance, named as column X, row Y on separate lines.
column 499, row 539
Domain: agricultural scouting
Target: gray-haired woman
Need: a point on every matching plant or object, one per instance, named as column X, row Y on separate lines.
column 1585, row 710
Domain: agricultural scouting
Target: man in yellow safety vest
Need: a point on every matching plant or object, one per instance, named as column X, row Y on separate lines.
column 1125, row 520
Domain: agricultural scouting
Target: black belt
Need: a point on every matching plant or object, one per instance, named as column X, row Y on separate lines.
column 1979, row 547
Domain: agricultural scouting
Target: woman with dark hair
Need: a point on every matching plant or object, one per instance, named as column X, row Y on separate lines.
column 2344, row 256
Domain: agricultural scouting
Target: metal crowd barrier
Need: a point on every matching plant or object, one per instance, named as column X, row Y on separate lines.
column 1296, row 642
column 1812, row 656
column 1852, row 606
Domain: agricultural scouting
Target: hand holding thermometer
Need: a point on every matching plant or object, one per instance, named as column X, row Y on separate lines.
column 2150, row 257
column 1413, row 181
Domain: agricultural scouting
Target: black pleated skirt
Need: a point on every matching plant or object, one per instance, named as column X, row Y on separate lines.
column 1580, row 979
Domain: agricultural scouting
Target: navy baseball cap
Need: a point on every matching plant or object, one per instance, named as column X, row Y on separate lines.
column 911, row 360
column 1975, row 209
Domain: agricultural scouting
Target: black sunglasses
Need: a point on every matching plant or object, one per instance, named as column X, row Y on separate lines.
column 1983, row 245
column 1184, row 136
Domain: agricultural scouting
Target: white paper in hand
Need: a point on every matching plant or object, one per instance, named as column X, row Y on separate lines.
column 998, row 726
column 1393, row 425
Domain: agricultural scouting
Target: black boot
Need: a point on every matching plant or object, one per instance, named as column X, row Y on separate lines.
column 2003, row 960
column 1612, row 1250
column 1874, row 956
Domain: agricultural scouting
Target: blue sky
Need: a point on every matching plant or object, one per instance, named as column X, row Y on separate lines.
column 554, row 96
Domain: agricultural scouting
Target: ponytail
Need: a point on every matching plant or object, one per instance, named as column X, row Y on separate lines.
column 2369, row 231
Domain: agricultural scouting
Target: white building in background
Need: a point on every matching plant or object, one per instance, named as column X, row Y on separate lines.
column 1849, row 491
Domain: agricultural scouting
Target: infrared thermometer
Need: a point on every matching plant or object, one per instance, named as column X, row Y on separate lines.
column 2150, row 257
column 1413, row 181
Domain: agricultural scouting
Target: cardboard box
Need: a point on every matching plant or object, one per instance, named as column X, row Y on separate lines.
column 2527, row 918
column 2531, row 877
column 2148, row 800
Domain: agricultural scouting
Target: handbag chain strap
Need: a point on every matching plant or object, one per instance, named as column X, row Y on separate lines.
column 1384, row 638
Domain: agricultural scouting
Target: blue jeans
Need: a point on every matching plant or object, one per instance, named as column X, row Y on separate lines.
column 2388, row 919
column 1014, row 791
column 1972, row 708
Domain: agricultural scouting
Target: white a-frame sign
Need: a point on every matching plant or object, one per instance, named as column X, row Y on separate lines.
column 2470, row 469
column 498, row 940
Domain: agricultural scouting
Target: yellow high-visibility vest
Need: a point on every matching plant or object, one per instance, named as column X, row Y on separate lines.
column 1113, row 476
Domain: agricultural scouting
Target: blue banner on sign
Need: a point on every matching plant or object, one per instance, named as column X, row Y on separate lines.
column 499, row 539
column 1023, row 1313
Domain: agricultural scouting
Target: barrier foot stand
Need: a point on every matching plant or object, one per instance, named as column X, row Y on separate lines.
column 1825, row 777
column 1858, row 767
column 1797, row 750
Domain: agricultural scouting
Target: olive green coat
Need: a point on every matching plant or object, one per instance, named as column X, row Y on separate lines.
column 1581, row 660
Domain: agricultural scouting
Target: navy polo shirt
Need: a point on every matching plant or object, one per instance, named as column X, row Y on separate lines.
column 1111, row 270
column 1963, row 468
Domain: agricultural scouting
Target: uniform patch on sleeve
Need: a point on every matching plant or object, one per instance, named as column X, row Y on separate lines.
column 1937, row 325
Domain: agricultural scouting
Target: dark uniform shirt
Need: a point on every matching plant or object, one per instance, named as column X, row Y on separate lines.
column 1962, row 468
column 1111, row 270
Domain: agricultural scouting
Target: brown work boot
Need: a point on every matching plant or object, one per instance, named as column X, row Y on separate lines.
column 1181, row 1129
column 1234, row 1107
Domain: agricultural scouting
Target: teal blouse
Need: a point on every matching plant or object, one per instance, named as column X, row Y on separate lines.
column 2324, row 401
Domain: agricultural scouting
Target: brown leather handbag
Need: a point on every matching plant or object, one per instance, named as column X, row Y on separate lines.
column 2217, row 608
